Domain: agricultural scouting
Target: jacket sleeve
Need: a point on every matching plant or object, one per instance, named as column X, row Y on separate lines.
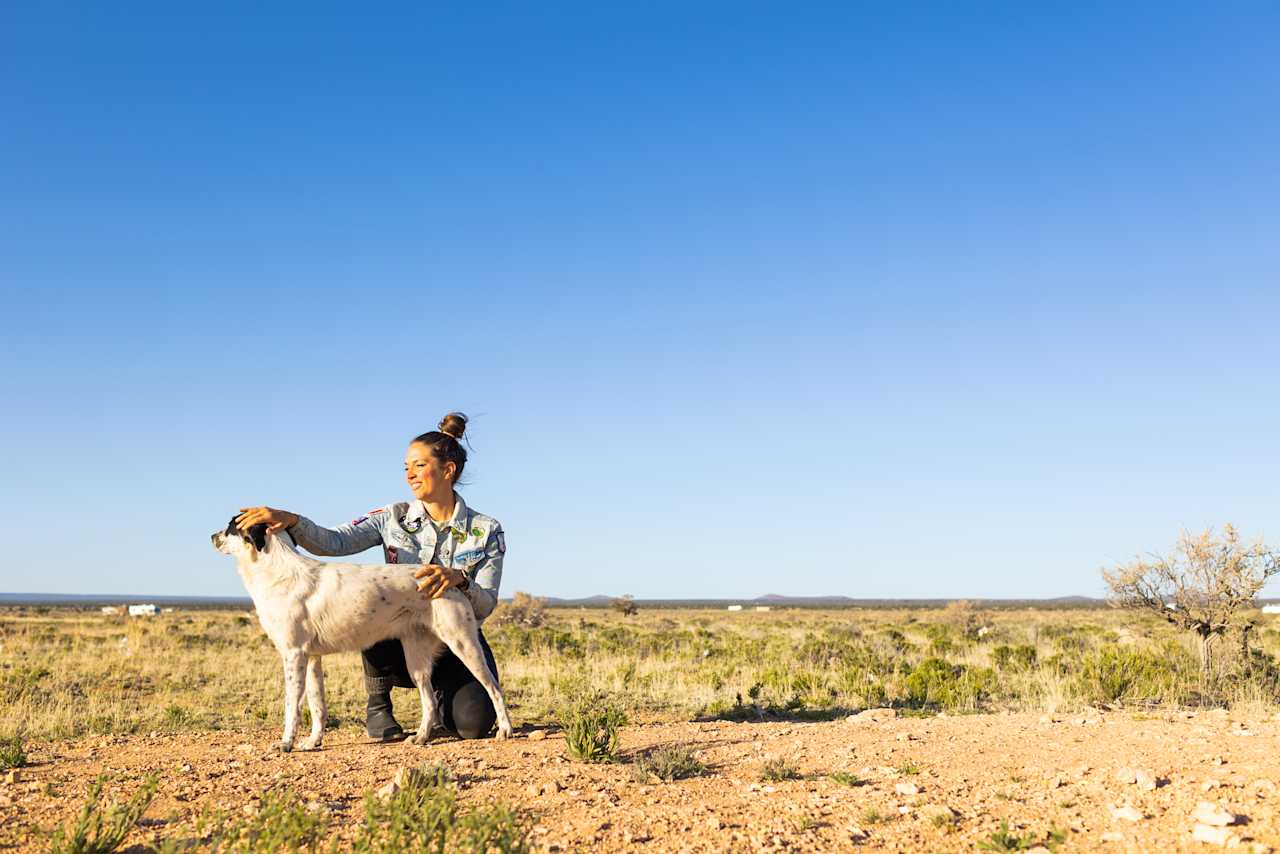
column 486, row 575
column 347, row 539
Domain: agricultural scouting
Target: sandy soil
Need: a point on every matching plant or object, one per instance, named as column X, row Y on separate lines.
column 970, row 772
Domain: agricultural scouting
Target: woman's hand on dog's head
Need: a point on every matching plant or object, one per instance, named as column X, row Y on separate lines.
column 275, row 520
column 436, row 579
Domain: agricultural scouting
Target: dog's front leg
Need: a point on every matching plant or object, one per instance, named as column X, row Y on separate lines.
column 315, row 701
column 419, row 657
column 295, row 672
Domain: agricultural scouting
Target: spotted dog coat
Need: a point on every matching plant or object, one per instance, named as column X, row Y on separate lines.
column 310, row 608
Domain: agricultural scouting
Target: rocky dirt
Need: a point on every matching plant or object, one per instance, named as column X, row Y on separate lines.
column 1113, row 781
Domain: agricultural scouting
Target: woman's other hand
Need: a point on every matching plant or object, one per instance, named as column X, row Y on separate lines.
column 275, row 520
column 437, row 579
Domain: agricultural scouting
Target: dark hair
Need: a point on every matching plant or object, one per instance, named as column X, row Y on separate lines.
column 444, row 443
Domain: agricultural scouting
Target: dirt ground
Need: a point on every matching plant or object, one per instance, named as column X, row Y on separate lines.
column 1072, row 772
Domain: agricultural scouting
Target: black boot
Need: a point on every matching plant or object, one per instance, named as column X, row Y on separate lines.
column 378, row 720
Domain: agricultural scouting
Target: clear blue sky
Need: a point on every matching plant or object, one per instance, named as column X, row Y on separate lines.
column 874, row 299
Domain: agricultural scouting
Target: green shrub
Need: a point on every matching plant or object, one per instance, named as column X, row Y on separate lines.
column 777, row 770
column 13, row 753
column 935, row 682
column 423, row 816
column 100, row 830
column 591, row 730
column 844, row 778
column 668, row 763
column 1113, row 672
column 1020, row 657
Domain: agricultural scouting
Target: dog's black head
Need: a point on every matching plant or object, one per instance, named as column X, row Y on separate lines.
column 256, row 536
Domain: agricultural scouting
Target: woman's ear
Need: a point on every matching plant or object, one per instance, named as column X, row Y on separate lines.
column 451, row 472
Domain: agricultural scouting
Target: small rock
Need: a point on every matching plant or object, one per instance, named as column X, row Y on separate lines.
column 1145, row 779
column 1212, row 814
column 713, row 822
column 245, row 748
column 14, row 776
column 1211, row 835
column 1125, row 775
column 538, row 735
column 1056, row 782
column 1263, row 787
column 388, row 790
column 1126, row 813
column 905, row 736
column 907, row 789
column 938, row 812
column 1039, row 849
column 1113, row 837
column 533, row 790
column 1209, row 784
column 857, row 834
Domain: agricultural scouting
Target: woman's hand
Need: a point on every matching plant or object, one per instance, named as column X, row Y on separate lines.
column 437, row 579
column 275, row 520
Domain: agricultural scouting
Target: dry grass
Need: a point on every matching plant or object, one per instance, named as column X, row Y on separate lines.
column 63, row 672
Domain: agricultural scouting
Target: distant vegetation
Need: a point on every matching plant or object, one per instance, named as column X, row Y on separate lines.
column 65, row 673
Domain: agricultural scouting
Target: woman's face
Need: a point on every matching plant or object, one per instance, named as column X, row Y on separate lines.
column 426, row 477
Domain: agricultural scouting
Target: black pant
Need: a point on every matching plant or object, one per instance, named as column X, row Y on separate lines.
column 465, row 705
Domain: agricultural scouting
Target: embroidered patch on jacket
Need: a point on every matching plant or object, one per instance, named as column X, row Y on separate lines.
column 390, row 554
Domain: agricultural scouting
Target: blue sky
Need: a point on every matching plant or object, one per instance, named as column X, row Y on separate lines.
column 862, row 299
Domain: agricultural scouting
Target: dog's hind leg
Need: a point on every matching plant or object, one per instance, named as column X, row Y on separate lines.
column 295, row 672
column 460, row 635
column 420, row 651
column 315, row 701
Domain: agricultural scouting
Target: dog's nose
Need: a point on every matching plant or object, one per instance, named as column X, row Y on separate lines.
column 214, row 537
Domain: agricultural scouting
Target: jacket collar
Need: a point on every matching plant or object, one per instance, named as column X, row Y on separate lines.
column 416, row 515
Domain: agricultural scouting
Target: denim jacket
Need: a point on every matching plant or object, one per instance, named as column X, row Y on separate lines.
column 473, row 543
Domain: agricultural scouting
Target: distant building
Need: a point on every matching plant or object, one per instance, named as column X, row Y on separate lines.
column 111, row 610
column 734, row 608
column 1271, row 609
column 763, row 608
column 143, row 610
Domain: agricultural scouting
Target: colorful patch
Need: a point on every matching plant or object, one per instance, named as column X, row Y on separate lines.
column 361, row 519
column 477, row 532
column 459, row 534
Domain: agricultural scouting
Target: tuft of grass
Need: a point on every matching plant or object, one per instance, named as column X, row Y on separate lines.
column 844, row 778
column 777, row 770
column 909, row 768
column 1003, row 840
column 100, row 830
column 13, row 752
column 280, row 824
column 423, row 816
column 591, row 730
column 668, row 763
column 871, row 815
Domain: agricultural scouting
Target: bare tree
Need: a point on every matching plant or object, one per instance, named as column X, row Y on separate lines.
column 625, row 605
column 1203, row 587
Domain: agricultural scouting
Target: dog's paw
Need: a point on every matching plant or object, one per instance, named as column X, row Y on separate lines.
column 284, row 746
column 504, row 732
column 420, row 738
column 310, row 744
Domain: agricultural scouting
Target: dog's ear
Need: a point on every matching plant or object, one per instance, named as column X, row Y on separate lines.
column 258, row 536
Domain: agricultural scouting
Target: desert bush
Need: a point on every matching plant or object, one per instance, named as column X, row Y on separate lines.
column 522, row 610
column 844, row 778
column 1112, row 673
column 99, row 830
column 1020, row 657
column 281, row 823
column 1204, row 587
column 591, row 730
column 667, row 763
column 939, row 683
column 625, row 605
column 777, row 770
column 423, row 816
column 13, row 752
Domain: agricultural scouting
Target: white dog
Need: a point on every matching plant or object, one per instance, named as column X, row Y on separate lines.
column 310, row 608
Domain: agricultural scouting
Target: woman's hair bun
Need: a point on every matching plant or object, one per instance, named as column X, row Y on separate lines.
column 454, row 424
